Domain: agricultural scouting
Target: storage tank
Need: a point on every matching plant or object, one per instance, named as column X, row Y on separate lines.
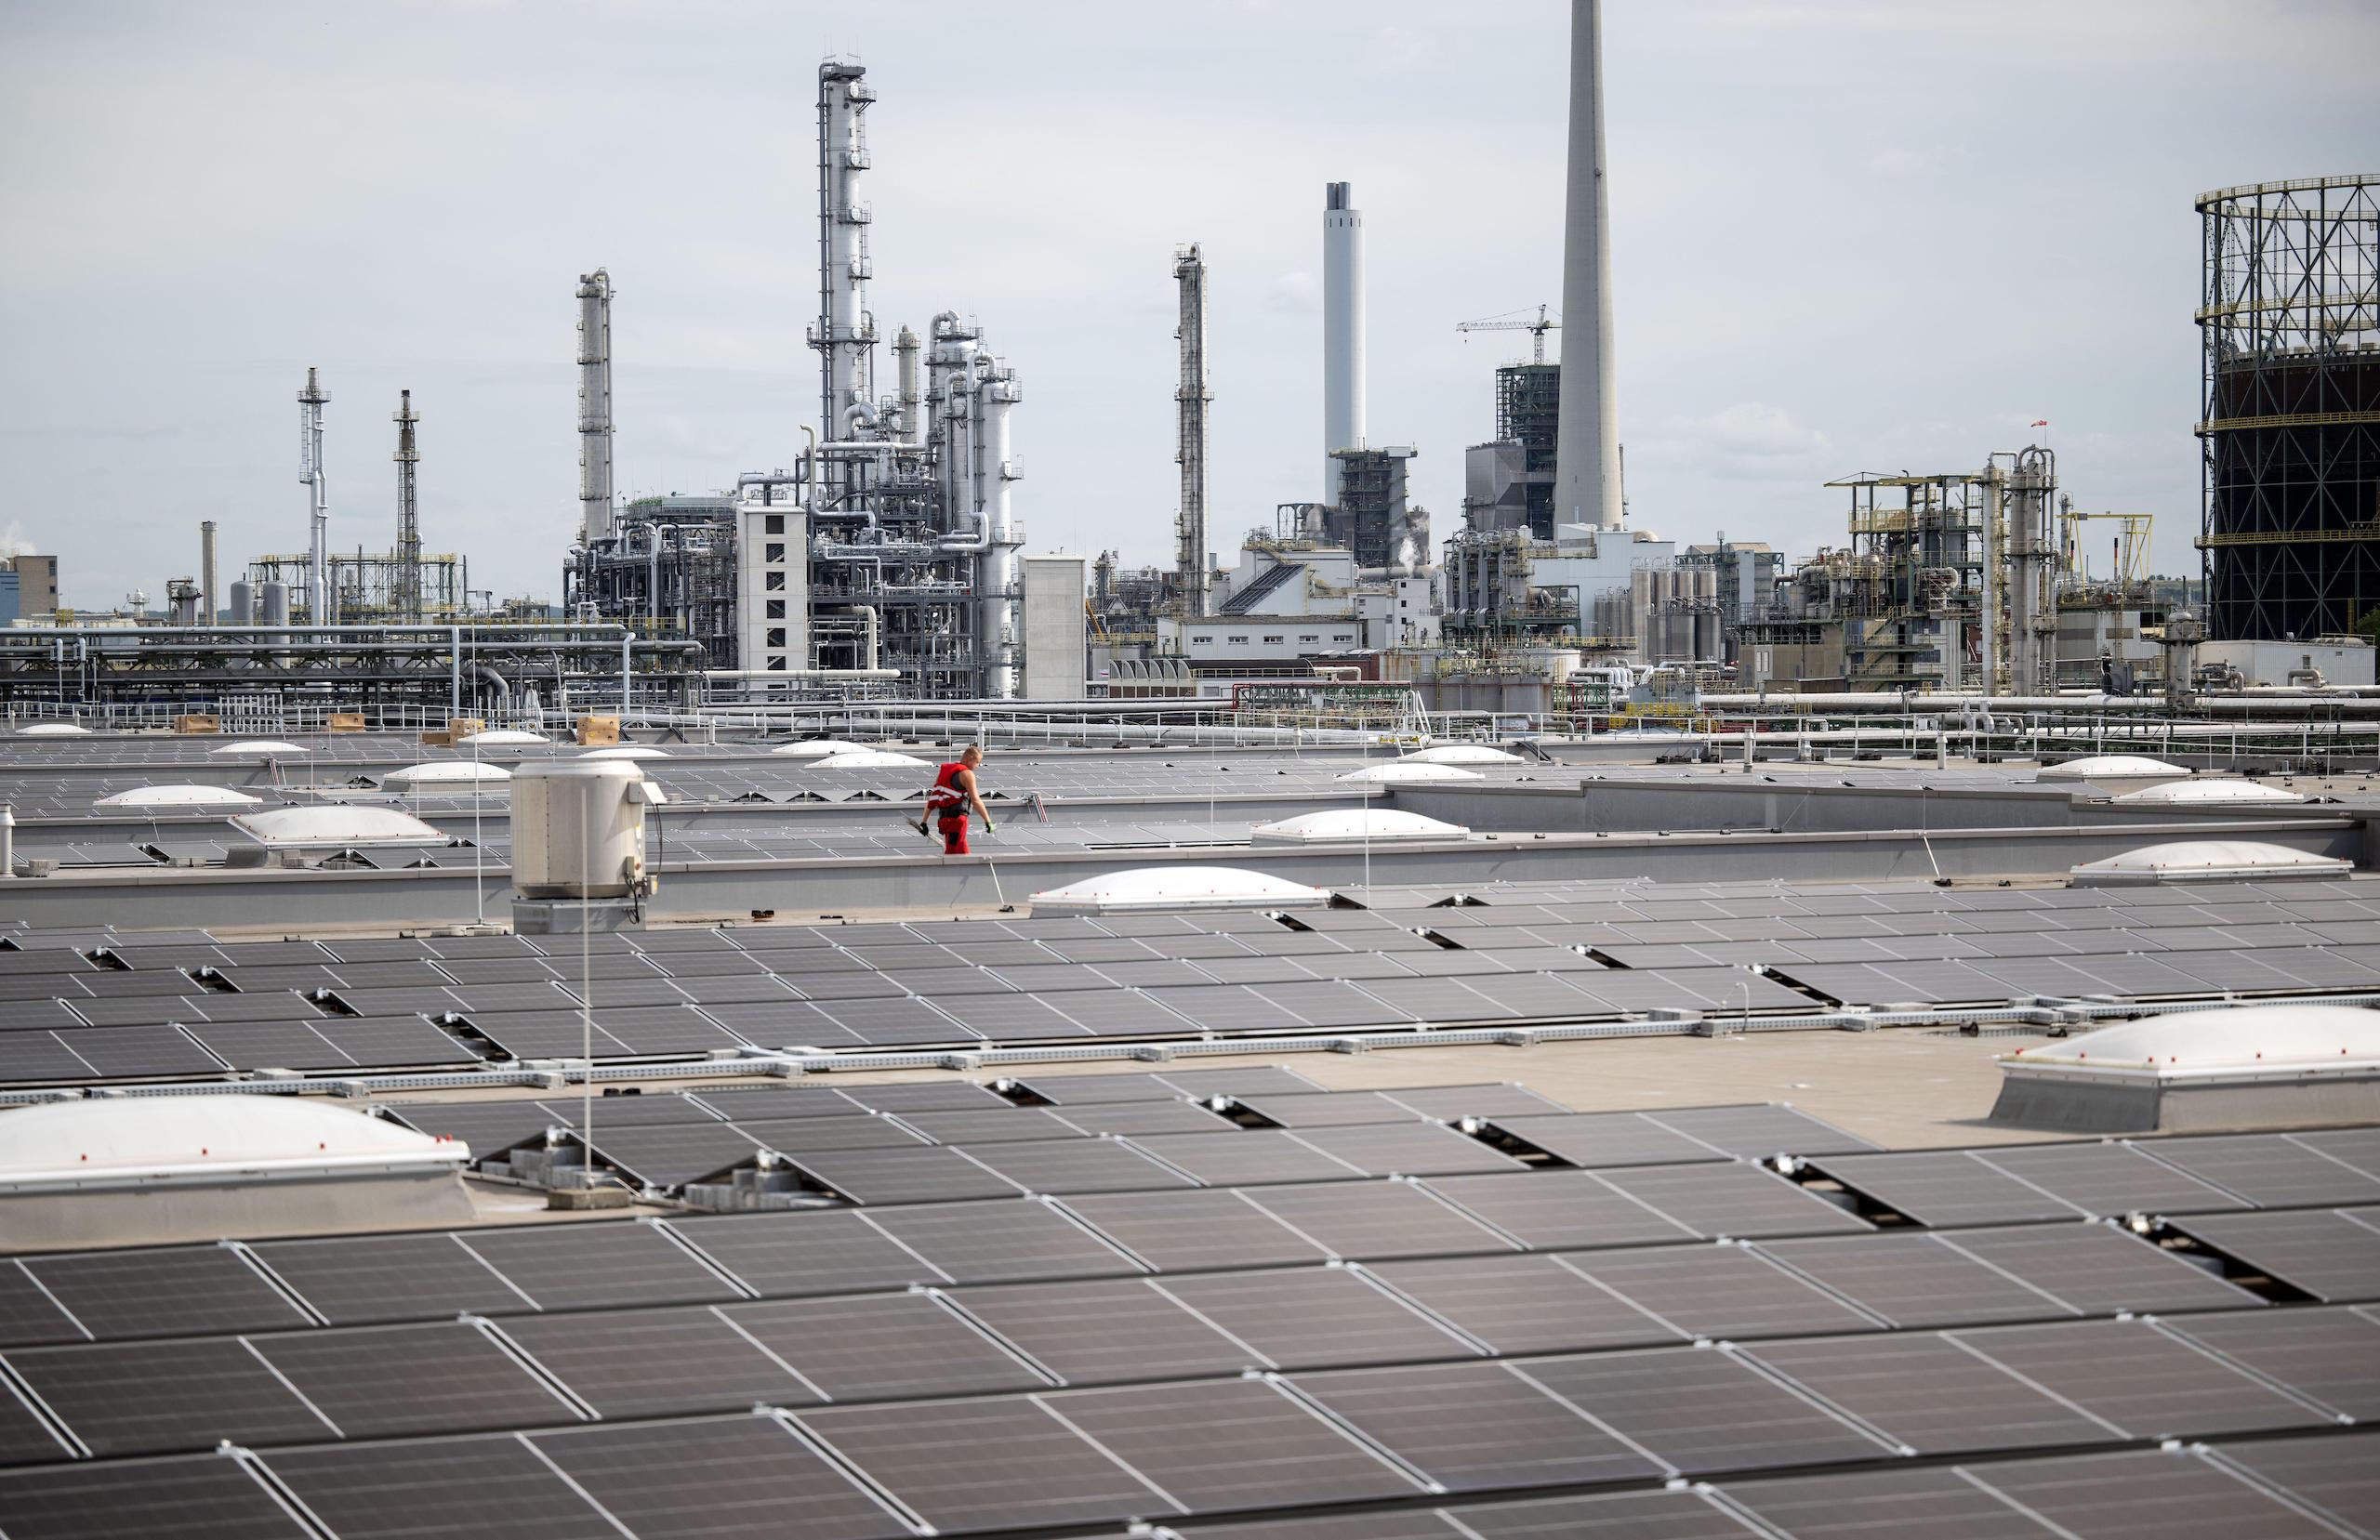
column 578, row 828
column 243, row 603
column 275, row 600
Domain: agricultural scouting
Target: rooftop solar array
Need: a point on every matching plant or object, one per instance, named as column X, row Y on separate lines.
column 96, row 1006
column 1636, row 1347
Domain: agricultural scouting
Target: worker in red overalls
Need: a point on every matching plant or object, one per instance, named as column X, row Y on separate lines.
column 954, row 791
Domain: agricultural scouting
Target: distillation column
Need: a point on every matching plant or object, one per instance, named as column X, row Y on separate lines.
column 2033, row 608
column 310, row 401
column 1343, row 333
column 1586, row 475
column 845, row 333
column 997, row 572
column 905, row 359
column 1193, row 574
column 405, row 592
column 594, row 406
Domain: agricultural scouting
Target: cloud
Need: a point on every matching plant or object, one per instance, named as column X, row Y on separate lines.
column 1748, row 442
column 1901, row 162
column 1294, row 294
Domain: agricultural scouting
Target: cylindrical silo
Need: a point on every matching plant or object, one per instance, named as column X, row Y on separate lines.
column 2291, row 418
column 275, row 600
column 244, row 602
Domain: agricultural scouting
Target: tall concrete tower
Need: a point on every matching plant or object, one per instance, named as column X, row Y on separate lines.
column 1342, row 331
column 1586, row 475
column 594, row 406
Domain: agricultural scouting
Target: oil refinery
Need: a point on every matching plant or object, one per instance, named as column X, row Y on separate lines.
column 1529, row 1018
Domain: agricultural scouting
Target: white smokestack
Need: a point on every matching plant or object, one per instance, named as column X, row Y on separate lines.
column 1586, row 474
column 1342, row 331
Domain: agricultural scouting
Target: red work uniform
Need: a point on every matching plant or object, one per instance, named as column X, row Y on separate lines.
column 946, row 805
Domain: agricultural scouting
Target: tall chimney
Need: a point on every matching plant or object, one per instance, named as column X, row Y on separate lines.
column 1586, row 474
column 209, row 600
column 1342, row 331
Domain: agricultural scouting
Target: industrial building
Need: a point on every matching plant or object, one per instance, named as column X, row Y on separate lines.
column 2289, row 328
column 886, row 559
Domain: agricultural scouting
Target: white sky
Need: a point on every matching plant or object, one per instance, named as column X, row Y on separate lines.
column 1848, row 236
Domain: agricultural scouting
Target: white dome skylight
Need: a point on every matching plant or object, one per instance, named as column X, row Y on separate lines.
column 2111, row 766
column 141, row 799
column 1356, row 825
column 2208, row 791
column 869, row 758
column 817, row 749
column 445, row 773
column 2207, row 861
column 1406, row 772
column 338, row 825
column 1461, row 754
column 1177, row 888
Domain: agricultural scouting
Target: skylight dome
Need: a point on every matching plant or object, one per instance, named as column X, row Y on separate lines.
column 445, row 773
column 2208, row 791
column 1461, row 754
column 337, row 824
column 1402, row 773
column 1158, row 888
column 2207, row 861
column 1353, row 824
column 141, row 799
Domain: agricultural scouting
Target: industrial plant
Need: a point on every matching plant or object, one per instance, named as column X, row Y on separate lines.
column 1526, row 1018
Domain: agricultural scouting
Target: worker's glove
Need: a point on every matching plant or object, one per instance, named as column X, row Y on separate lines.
column 987, row 825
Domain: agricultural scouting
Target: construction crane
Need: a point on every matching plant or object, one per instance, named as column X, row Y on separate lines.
column 1535, row 329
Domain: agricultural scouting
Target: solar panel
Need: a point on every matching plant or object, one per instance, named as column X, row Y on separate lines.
column 1936, row 1503
column 2098, row 1268
column 1247, row 1158
column 2107, row 1181
column 206, row 1497
column 965, row 1465
column 1328, row 1109
column 1254, row 1080
column 930, row 1096
column 1001, row 1242
column 1178, row 1231
column 1682, row 1515
column 1597, row 1140
column 901, row 1175
column 1737, row 1200
column 1102, row 1332
column 2148, row 1384
column 671, row 1157
column 589, row 1266
column 2155, row 1493
column 1525, row 1304
column 359, row 1280
column 1932, row 1395
column 1474, row 1425
column 485, row 1485
column 108, row 1395
column 1944, row 1189
column 660, row 1363
column 1072, row 1166
column 377, row 1381
column 992, row 1125
column 1719, row 1291
column 825, row 1252
column 29, row 1315
column 1449, row 1103
column 1132, row 1118
column 720, row 1478
column 1375, row 1219
column 1085, row 1090
column 1409, row 1150
column 876, row 1346
column 1756, row 1132
column 1313, row 1317
column 2331, row 1355
column 2341, row 1481
column 1701, row 1411
column 1911, row 1280
column 2268, row 1170
column 1556, row 1209
column 182, row 1292
column 1230, row 1444
column 2331, row 1254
